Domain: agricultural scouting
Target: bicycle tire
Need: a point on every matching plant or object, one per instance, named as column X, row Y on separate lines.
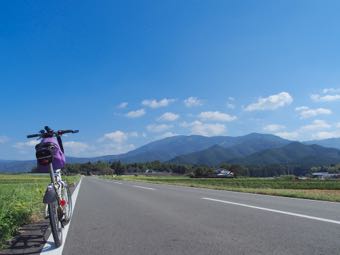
column 56, row 226
column 69, row 205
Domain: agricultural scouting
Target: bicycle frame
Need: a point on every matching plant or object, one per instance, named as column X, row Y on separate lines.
column 53, row 190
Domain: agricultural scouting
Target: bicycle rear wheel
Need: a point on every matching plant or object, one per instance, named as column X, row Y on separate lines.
column 56, row 226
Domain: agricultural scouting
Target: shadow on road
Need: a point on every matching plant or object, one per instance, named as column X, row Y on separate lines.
column 30, row 240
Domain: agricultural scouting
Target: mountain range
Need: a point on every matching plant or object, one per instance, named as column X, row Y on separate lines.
column 251, row 149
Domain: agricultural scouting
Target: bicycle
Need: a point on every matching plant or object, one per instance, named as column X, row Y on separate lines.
column 57, row 198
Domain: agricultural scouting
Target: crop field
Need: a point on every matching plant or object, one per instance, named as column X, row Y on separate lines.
column 21, row 201
column 328, row 190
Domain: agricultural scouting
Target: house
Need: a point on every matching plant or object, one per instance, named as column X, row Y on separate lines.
column 223, row 173
column 325, row 175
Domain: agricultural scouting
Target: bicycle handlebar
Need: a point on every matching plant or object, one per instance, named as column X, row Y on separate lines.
column 50, row 133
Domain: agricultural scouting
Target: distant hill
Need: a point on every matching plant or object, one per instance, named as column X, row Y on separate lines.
column 330, row 143
column 16, row 165
column 293, row 153
column 169, row 148
column 241, row 147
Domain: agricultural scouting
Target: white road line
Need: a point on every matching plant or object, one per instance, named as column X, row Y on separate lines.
column 117, row 182
column 141, row 187
column 273, row 210
column 49, row 247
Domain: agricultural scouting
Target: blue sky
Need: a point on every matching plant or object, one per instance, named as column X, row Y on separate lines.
column 129, row 72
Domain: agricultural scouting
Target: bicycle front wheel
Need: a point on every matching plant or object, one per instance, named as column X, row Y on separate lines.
column 56, row 225
column 68, row 207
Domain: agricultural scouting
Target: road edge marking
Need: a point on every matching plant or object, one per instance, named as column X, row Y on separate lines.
column 273, row 210
column 50, row 249
column 141, row 187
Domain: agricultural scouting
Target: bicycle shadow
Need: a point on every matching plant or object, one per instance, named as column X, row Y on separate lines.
column 30, row 240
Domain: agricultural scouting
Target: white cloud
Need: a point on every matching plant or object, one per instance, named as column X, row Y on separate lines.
column 337, row 125
column 168, row 116
column 325, row 98
column 326, row 134
column 136, row 114
column 166, row 135
column 328, row 95
column 76, row 148
column 25, row 145
column 154, row 128
column 271, row 103
column 123, row 105
column 288, row 135
column 331, row 90
column 113, row 149
column 157, row 104
column 230, row 106
column 230, row 103
column 316, row 125
column 3, row 139
column 115, row 142
column 273, row 128
column 192, row 101
column 116, row 136
column 216, row 116
column 200, row 128
column 306, row 112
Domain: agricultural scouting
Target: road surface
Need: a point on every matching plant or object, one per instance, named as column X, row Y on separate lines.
column 114, row 217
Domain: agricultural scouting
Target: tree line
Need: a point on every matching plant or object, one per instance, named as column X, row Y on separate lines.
column 119, row 168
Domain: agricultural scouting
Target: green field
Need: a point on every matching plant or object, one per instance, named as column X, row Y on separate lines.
column 328, row 190
column 21, row 201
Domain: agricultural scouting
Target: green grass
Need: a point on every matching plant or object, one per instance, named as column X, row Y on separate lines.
column 328, row 190
column 21, row 201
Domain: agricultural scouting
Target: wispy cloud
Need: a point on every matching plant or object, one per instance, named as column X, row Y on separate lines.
column 157, row 104
column 326, row 134
column 193, row 101
column 205, row 129
column 76, row 148
column 155, row 128
column 273, row 128
column 288, row 135
column 123, row 105
column 3, row 139
column 331, row 90
column 166, row 135
column 327, row 95
column 115, row 142
column 306, row 112
column 231, row 103
column 316, row 125
column 168, row 116
column 136, row 114
column 216, row 116
column 270, row 103
column 116, row 136
column 25, row 145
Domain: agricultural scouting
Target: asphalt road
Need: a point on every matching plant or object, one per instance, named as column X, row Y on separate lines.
column 139, row 218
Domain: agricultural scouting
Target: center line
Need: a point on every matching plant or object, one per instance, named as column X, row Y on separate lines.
column 141, row 187
column 273, row 210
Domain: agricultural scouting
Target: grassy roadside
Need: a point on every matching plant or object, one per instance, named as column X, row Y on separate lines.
column 309, row 189
column 21, row 201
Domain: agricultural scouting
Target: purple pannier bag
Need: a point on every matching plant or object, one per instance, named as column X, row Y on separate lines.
column 49, row 145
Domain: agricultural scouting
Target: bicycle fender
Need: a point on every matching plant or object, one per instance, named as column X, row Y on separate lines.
column 50, row 195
